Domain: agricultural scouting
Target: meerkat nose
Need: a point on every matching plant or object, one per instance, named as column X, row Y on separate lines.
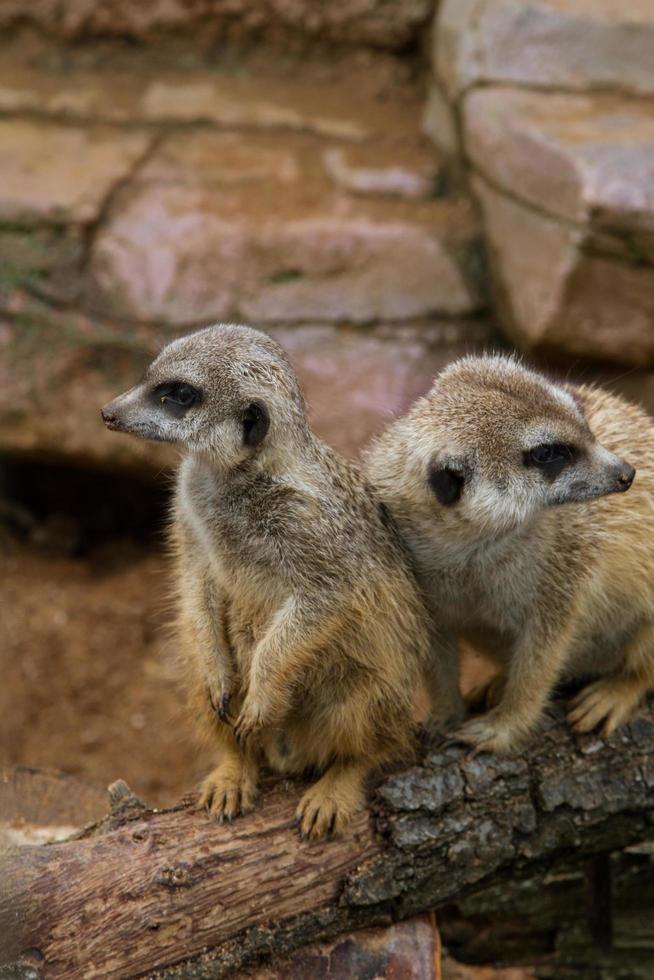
column 626, row 476
column 109, row 418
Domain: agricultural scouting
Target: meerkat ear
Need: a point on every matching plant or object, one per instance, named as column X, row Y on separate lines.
column 575, row 394
column 256, row 422
column 446, row 483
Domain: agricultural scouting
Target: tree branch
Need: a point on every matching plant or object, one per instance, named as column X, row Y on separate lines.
column 170, row 894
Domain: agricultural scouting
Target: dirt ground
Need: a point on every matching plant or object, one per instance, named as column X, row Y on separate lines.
column 87, row 679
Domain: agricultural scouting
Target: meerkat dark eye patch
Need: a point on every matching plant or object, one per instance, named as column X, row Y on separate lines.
column 550, row 458
column 256, row 422
column 446, row 484
column 176, row 397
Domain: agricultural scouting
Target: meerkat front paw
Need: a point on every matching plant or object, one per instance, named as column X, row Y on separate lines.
column 320, row 813
column 256, row 714
column 220, row 699
column 249, row 723
column 328, row 805
column 490, row 733
column 611, row 700
column 228, row 791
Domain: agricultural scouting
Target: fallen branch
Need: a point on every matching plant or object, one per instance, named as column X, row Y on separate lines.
column 170, row 894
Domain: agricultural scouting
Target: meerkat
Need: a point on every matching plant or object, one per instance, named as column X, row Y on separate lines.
column 301, row 624
column 508, row 489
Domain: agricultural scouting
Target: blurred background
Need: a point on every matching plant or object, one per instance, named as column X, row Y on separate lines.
column 381, row 184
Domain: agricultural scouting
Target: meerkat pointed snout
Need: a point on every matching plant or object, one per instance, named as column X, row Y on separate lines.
column 510, row 492
column 302, row 629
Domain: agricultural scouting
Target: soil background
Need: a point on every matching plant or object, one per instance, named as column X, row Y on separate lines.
column 89, row 678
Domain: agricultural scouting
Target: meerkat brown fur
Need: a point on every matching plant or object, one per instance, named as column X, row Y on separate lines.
column 509, row 491
column 302, row 628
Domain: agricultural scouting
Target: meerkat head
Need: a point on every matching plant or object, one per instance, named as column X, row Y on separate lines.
column 494, row 444
column 224, row 391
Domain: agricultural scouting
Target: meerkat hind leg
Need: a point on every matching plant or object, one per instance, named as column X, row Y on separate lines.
column 615, row 698
column 612, row 700
column 231, row 788
column 328, row 805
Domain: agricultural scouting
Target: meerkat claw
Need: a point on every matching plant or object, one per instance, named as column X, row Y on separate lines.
column 242, row 732
column 487, row 734
column 220, row 710
column 227, row 792
column 249, row 722
column 223, row 710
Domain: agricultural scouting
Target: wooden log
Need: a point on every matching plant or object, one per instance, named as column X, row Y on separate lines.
column 170, row 894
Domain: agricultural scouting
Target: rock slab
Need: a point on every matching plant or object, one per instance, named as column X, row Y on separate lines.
column 566, row 187
column 556, row 44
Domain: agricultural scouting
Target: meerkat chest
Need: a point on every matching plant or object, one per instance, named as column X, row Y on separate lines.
column 236, row 524
column 195, row 516
column 483, row 587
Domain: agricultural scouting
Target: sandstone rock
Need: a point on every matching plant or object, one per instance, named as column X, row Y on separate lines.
column 349, row 100
column 383, row 169
column 356, row 382
column 348, row 96
column 186, row 255
column 378, row 22
column 555, row 293
column 585, row 159
column 61, row 173
column 207, row 158
column 568, row 204
column 214, row 101
column 387, row 23
column 46, row 260
column 57, row 370
column 455, row 54
column 72, row 95
column 439, row 121
column 355, row 270
column 206, row 97
column 588, row 44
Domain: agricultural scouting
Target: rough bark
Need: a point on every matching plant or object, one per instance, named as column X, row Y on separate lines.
column 170, row 894
column 593, row 922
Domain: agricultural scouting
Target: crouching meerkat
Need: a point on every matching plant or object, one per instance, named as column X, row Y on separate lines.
column 509, row 491
column 301, row 626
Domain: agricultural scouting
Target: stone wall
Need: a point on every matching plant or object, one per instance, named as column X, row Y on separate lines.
column 392, row 24
column 151, row 188
column 300, row 166
column 550, row 104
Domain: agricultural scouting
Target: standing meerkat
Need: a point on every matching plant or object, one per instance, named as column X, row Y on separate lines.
column 505, row 487
column 301, row 626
